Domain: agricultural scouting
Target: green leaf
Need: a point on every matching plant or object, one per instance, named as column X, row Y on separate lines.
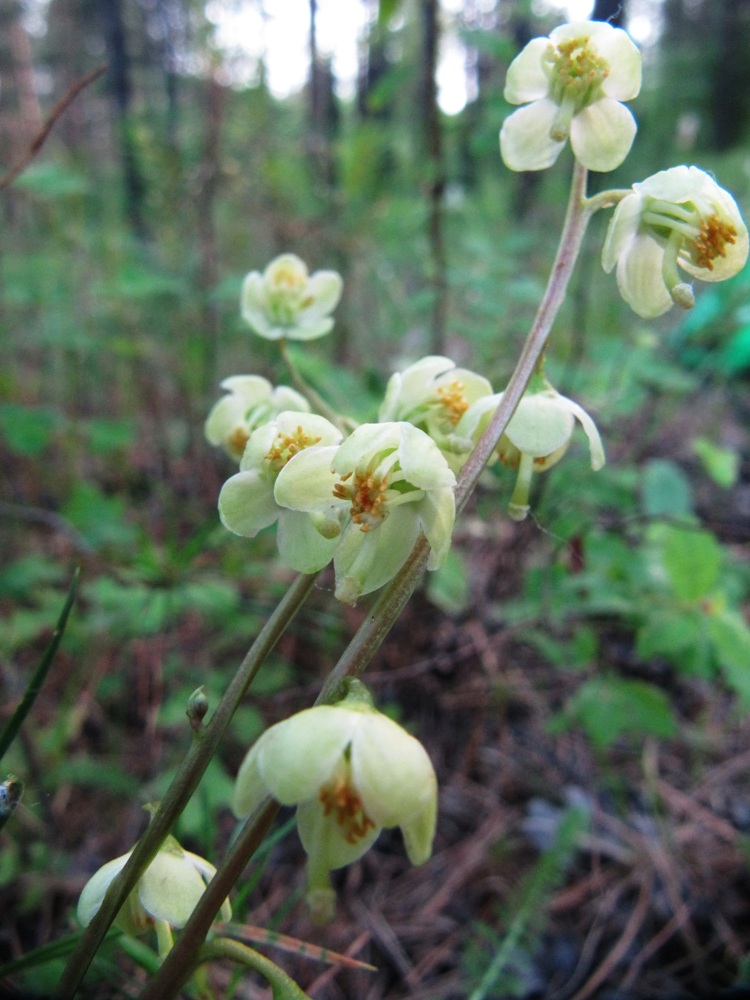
column 665, row 489
column 692, row 559
column 721, row 464
column 99, row 518
column 27, row 430
column 731, row 638
column 448, row 587
column 607, row 707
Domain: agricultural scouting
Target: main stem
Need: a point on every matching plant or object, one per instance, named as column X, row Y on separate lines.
column 183, row 785
column 388, row 607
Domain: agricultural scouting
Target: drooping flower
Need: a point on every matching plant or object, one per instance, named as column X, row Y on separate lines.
column 351, row 772
column 678, row 219
column 164, row 896
column 572, row 84
column 433, row 394
column 382, row 486
column 538, row 436
column 250, row 402
column 247, row 503
column 286, row 302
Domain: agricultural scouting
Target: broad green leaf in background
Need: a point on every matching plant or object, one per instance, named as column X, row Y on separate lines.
column 606, row 707
column 692, row 559
column 665, row 489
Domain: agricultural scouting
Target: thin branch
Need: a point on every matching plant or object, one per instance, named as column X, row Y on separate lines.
column 62, row 105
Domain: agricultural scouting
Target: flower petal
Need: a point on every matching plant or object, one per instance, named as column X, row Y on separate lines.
column 596, row 448
column 365, row 560
column 437, row 516
column 640, row 279
column 246, row 503
column 602, row 133
column 170, row 888
column 525, row 142
column 306, row 482
column 95, row 889
column 540, row 425
column 422, row 461
column 526, row 79
column 391, row 771
column 301, row 546
column 622, row 230
column 298, row 756
column 324, row 290
column 325, row 841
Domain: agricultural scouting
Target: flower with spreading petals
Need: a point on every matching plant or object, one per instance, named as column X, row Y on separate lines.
column 378, row 489
column 247, row 503
column 351, row 772
column 572, row 84
column 164, row 896
column 285, row 302
column 251, row 400
column 433, row 394
column 679, row 219
column 538, row 436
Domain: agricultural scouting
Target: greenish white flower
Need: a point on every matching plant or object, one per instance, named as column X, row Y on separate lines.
column 538, row 436
column 433, row 394
column 677, row 220
column 285, row 302
column 164, row 897
column 251, row 400
column 572, row 84
column 351, row 771
column 371, row 496
column 247, row 503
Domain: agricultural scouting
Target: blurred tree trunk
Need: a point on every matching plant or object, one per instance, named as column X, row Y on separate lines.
column 730, row 78
column 323, row 115
column 432, row 138
column 119, row 73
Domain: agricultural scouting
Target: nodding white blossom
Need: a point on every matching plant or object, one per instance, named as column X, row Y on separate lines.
column 572, row 84
column 433, row 394
column 371, row 495
column 164, row 896
column 285, row 302
column 677, row 220
column 538, row 436
column 351, row 771
column 247, row 503
column 251, row 400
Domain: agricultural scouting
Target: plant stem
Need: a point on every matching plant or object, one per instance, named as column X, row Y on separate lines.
column 576, row 219
column 183, row 785
column 395, row 596
column 312, row 395
column 39, row 676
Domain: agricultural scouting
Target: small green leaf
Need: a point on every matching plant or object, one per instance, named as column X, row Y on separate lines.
column 607, row 707
column 665, row 489
column 731, row 638
column 721, row 464
column 27, row 431
column 448, row 587
column 692, row 559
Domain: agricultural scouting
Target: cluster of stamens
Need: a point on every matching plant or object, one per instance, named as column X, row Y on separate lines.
column 237, row 440
column 286, row 446
column 453, row 400
column 366, row 498
column 341, row 800
column 577, row 68
column 712, row 241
